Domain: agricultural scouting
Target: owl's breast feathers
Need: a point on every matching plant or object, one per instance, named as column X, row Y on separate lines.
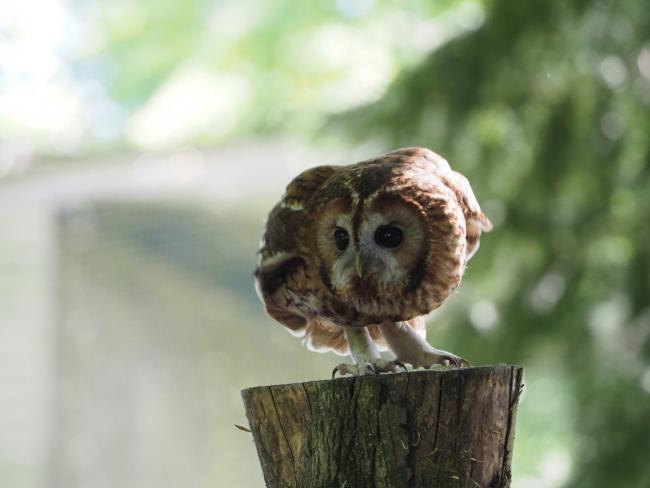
column 289, row 279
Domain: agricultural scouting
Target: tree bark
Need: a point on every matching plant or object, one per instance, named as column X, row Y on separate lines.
column 439, row 428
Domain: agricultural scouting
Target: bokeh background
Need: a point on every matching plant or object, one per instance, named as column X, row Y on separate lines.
column 142, row 143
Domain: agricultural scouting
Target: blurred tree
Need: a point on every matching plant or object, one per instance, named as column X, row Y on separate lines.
column 545, row 108
column 82, row 77
column 206, row 71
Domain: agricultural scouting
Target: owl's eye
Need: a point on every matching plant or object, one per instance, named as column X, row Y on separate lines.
column 341, row 238
column 389, row 236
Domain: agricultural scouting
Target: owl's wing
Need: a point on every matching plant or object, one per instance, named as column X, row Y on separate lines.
column 281, row 269
column 273, row 279
column 476, row 221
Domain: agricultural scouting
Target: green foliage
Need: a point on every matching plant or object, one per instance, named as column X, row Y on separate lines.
column 546, row 109
column 150, row 44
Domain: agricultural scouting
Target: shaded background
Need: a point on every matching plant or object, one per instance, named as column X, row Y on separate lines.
column 142, row 143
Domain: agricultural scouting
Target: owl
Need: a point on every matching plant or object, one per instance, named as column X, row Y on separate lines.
column 353, row 257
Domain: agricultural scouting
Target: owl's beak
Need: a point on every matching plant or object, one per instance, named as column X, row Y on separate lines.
column 357, row 265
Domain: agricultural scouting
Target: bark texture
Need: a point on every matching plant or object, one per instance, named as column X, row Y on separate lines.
column 452, row 428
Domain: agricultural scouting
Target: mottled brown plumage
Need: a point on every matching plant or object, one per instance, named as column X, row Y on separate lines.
column 373, row 246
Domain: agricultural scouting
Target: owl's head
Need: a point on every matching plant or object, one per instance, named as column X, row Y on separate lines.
column 384, row 255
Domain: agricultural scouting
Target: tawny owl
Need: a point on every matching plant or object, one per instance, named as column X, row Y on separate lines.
column 354, row 256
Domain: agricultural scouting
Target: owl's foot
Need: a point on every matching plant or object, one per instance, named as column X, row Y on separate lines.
column 411, row 348
column 377, row 366
column 353, row 369
column 432, row 356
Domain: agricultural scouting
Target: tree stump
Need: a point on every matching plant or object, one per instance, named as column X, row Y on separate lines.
column 437, row 428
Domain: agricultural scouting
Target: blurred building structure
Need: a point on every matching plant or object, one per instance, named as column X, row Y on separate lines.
column 129, row 321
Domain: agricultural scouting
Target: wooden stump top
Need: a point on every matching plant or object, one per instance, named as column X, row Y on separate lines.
column 442, row 428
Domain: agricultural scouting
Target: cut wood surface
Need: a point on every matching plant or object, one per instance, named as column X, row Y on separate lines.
column 437, row 428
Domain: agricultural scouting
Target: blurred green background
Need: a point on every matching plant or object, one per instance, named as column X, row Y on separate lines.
column 142, row 143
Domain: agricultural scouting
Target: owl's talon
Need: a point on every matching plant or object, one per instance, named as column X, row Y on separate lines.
column 376, row 367
column 457, row 361
column 352, row 369
column 435, row 357
column 341, row 368
column 451, row 360
column 401, row 365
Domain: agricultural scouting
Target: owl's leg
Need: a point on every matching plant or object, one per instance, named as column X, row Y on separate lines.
column 410, row 347
column 364, row 354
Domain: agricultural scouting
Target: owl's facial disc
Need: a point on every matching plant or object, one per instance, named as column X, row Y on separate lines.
column 370, row 249
column 391, row 238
